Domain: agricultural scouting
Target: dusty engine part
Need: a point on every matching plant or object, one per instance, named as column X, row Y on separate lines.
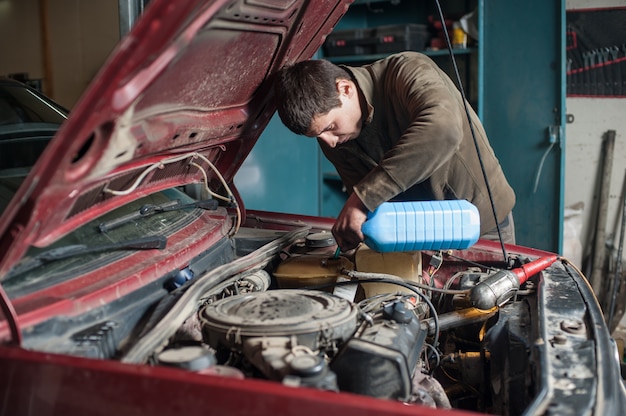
column 271, row 328
column 310, row 270
column 427, row 391
column 387, row 352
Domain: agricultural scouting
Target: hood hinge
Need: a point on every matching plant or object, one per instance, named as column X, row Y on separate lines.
column 11, row 316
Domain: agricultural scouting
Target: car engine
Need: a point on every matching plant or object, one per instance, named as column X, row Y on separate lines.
column 374, row 324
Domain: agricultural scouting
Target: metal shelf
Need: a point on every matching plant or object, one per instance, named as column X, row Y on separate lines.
column 374, row 57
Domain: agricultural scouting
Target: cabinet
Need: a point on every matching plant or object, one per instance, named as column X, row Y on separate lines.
column 525, row 69
column 365, row 16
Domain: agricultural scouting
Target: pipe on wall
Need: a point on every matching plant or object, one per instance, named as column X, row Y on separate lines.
column 599, row 249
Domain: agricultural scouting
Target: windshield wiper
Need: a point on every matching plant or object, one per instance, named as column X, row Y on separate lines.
column 149, row 209
column 144, row 243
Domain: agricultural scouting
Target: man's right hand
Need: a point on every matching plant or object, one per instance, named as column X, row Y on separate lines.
column 347, row 228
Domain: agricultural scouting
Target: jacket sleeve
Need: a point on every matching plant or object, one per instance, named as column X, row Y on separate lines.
column 424, row 103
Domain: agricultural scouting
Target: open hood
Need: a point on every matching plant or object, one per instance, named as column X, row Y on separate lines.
column 192, row 79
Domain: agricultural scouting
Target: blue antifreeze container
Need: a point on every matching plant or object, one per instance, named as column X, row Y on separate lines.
column 422, row 225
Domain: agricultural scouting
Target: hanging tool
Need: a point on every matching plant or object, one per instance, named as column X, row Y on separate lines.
column 622, row 64
column 600, row 70
column 599, row 249
column 502, row 285
column 617, row 77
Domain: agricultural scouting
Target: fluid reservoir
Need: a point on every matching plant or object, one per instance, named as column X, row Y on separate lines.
column 422, row 225
column 407, row 265
column 311, row 270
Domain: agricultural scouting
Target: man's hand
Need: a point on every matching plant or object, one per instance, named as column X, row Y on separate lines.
column 347, row 228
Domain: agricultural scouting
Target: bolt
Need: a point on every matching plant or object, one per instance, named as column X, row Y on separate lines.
column 573, row 326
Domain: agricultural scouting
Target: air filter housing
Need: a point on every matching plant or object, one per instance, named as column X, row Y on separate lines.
column 312, row 317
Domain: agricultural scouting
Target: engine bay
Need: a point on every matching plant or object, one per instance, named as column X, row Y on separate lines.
column 395, row 326
column 277, row 304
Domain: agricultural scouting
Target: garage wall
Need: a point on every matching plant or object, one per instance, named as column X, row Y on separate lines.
column 592, row 117
column 73, row 36
column 20, row 38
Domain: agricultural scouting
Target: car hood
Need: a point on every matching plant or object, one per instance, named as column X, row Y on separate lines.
column 191, row 80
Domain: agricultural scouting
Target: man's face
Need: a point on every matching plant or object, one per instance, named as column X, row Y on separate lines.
column 342, row 123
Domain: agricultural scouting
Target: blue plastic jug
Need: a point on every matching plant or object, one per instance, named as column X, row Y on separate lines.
column 422, row 225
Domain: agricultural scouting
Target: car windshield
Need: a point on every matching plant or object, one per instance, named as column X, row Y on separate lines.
column 48, row 273
column 27, row 123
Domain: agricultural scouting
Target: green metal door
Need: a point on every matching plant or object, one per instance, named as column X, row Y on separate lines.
column 281, row 173
column 524, row 110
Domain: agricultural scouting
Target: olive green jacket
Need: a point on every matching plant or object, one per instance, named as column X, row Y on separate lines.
column 416, row 142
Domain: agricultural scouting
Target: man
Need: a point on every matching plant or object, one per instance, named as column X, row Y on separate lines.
column 395, row 129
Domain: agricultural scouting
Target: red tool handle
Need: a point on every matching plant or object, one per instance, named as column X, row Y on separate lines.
column 534, row 267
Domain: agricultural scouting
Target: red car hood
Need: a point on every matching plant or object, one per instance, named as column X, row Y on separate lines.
column 192, row 79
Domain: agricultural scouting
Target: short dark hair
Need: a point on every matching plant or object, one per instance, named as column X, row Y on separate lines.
column 305, row 90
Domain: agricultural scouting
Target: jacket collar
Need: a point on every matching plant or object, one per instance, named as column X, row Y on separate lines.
column 365, row 85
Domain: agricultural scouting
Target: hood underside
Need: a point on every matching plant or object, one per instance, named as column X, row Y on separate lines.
column 191, row 80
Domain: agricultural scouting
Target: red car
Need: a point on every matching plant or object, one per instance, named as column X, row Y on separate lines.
column 134, row 281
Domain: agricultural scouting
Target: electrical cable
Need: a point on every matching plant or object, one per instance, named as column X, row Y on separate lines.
column 436, row 353
column 447, row 285
column 157, row 165
column 365, row 277
column 458, row 381
column 231, row 196
column 471, row 126
column 473, row 263
column 543, row 159
column 404, row 284
column 368, row 305
column 193, row 155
